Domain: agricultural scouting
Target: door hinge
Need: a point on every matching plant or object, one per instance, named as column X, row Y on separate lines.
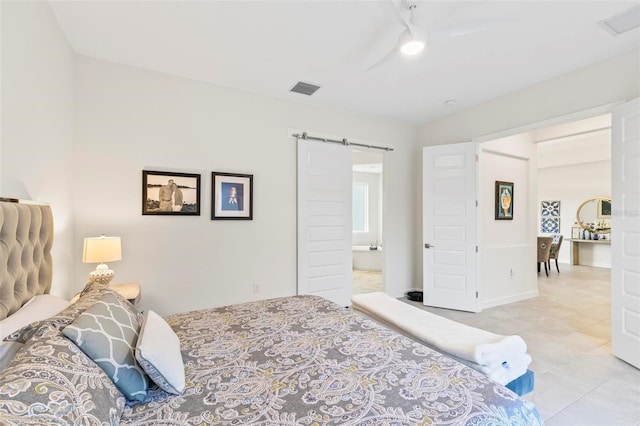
column 476, row 157
column 476, row 249
column 476, row 203
column 476, row 294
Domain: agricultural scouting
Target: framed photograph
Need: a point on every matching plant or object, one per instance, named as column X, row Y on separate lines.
column 167, row 193
column 604, row 209
column 575, row 233
column 504, row 200
column 232, row 196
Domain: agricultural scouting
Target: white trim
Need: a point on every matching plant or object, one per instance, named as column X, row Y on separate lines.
column 486, row 304
column 566, row 118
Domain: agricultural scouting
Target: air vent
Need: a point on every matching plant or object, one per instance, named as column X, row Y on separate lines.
column 622, row 22
column 305, row 88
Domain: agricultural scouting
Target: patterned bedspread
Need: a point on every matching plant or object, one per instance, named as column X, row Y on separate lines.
column 306, row 361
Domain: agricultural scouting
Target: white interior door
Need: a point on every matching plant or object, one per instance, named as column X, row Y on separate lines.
column 625, row 233
column 324, row 220
column 449, row 226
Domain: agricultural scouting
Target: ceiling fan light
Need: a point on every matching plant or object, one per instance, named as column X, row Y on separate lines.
column 412, row 47
column 409, row 44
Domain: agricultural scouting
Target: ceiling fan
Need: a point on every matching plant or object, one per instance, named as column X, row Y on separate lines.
column 413, row 39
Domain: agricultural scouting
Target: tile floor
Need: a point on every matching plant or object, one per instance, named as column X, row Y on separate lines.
column 366, row 281
column 567, row 329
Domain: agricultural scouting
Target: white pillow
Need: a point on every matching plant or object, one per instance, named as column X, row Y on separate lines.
column 158, row 353
column 38, row 308
column 7, row 351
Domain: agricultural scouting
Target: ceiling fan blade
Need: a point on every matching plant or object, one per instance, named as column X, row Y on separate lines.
column 406, row 20
column 386, row 58
column 399, row 15
column 468, row 27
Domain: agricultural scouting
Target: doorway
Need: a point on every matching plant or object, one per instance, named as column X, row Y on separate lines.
column 367, row 238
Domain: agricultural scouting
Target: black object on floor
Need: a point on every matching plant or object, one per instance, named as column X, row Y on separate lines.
column 415, row 296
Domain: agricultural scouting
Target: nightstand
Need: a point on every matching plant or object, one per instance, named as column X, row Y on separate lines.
column 130, row 291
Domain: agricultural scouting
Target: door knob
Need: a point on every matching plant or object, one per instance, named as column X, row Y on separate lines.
column 428, row 246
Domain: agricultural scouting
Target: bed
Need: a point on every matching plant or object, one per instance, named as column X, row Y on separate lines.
column 299, row 360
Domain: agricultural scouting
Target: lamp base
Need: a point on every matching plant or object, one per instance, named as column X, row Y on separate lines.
column 101, row 276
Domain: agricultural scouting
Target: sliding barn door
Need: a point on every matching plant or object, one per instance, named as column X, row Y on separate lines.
column 449, row 227
column 625, row 232
column 324, row 220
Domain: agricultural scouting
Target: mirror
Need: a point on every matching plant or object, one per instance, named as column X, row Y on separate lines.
column 595, row 215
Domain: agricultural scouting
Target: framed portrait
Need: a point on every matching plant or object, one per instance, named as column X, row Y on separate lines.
column 168, row 193
column 232, row 196
column 604, row 209
column 504, row 200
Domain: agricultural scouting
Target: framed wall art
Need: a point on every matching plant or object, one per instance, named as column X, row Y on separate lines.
column 550, row 225
column 232, row 196
column 504, row 201
column 550, row 217
column 604, row 209
column 168, row 193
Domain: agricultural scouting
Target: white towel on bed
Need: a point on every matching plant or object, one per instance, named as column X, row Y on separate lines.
column 472, row 344
column 502, row 373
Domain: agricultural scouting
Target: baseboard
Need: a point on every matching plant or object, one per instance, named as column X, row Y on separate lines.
column 486, row 304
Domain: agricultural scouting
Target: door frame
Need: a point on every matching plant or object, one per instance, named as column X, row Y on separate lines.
column 290, row 133
column 562, row 119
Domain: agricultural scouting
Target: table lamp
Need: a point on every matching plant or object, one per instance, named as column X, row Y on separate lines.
column 100, row 250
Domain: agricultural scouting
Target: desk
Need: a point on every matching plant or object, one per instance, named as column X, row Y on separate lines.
column 575, row 248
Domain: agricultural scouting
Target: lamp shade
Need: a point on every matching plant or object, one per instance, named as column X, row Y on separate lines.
column 101, row 249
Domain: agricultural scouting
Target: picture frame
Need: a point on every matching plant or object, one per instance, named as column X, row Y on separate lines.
column 550, row 208
column 550, row 225
column 232, row 196
column 575, row 232
column 604, row 209
column 170, row 193
column 504, row 199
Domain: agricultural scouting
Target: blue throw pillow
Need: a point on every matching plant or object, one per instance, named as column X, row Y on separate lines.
column 107, row 332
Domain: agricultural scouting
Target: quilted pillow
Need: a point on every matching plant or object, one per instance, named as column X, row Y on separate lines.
column 108, row 332
column 51, row 381
column 158, row 352
column 88, row 297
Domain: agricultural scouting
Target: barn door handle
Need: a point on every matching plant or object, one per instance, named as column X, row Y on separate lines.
column 428, row 246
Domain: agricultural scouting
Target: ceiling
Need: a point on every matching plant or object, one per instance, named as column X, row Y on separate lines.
column 265, row 47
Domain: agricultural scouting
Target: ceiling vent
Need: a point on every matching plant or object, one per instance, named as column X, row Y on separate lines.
column 622, row 22
column 305, row 88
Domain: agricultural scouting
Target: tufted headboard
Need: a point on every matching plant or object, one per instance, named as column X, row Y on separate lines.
column 26, row 237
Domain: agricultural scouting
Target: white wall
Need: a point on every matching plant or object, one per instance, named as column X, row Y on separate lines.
column 507, row 248
column 129, row 119
column 37, row 112
column 613, row 80
column 610, row 81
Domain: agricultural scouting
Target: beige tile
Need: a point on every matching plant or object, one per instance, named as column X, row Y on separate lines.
column 553, row 393
column 615, row 402
column 601, row 330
